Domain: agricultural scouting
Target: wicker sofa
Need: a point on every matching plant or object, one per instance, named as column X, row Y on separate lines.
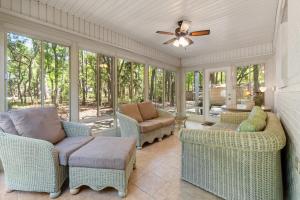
column 144, row 122
column 235, row 165
column 33, row 164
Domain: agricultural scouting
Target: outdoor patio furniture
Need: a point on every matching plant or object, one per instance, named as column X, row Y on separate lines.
column 99, row 164
column 144, row 122
column 31, row 150
column 235, row 165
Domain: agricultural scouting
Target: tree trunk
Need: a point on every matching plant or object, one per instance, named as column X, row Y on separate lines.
column 56, row 67
column 151, row 94
column 255, row 78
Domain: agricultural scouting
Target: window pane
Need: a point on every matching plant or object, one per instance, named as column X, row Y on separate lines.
column 130, row 82
column 156, row 76
column 138, row 82
column 170, row 91
column 250, row 81
column 124, row 81
column 106, row 109
column 217, row 97
column 194, row 85
column 87, row 87
column 96, row 94
column 57, row 84
column 23, row 69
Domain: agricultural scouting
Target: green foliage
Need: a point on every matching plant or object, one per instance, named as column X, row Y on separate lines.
column 25, row 81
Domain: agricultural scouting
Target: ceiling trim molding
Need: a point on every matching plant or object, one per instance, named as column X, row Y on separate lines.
column 229, row 56
column 50, row 16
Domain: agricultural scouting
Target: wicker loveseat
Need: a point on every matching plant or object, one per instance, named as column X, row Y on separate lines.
column 34, row 163
column 144, row 122
column 235, row 165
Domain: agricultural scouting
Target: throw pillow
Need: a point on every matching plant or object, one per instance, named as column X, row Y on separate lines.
column 148, row 110
column 38, row 123
column 6, row 124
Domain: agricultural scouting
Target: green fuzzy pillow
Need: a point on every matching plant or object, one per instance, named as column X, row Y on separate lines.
column 255, row 122
column 252, row 125
column 257, row 112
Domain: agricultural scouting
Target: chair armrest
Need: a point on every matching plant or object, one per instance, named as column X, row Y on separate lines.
column 234, row 117
column 27, row 159
column 128, row 125
column 163, row 113
column 244, row 141
column 74, row 129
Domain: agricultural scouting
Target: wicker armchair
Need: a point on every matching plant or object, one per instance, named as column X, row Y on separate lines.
column 235, row 165
column 33, row 165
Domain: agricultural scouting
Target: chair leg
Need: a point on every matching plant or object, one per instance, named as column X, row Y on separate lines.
column 122, row 193
column 8, row 190
column 54, row 195
column 74, row 190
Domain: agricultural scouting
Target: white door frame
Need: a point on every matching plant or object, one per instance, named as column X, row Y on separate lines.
column 229, row 89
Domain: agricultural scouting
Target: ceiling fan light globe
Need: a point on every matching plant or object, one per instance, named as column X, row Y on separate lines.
column 176, row 43
column 183, row 41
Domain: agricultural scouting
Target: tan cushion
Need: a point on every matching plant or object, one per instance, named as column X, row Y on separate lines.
column 165, row 121
column 38, row 123
column 132, row 111
column 150, row 125
column 69, row 145
column 102, row 153
column 147, row 110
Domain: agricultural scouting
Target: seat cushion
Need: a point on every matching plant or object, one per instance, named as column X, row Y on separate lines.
column 224, row 126
column 6, row 124
column 132, row 111
column 68, row 145
column 105, row 153
column 150, row 125
column 147, row 110
column 165, row 121
column 38, row 123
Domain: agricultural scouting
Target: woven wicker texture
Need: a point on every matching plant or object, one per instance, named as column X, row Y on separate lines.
column 235, row 165
column 98, row 179
column 33, row 165
column 130, row 128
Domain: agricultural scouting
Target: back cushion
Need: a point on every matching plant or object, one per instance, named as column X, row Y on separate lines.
column 257, row 112
column 132, row 111
column 252, row 125
column 38, row 123
column 6, row 125
column 148, row 110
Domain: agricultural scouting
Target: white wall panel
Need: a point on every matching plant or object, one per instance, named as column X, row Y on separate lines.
column 229, row 56
column 48, row 15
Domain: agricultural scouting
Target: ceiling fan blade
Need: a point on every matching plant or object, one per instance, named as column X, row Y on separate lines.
column 170, row 41
column 164, row 33
column 200, row 33
column 185, row 25
column 189, row 40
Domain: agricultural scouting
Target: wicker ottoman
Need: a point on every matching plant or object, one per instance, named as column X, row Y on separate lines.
column 103, row 162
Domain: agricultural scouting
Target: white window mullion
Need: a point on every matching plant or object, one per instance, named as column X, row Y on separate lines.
column 3, row 102
column 42, row 84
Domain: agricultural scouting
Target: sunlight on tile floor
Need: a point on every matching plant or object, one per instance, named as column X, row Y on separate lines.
column 157, row 176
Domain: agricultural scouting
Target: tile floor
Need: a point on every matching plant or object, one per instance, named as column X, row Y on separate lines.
column 157, row 176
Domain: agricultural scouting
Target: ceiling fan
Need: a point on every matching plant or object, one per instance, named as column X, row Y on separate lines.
column 182, row 33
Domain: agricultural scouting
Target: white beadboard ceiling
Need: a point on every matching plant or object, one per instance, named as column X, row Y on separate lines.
column 233, row 23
